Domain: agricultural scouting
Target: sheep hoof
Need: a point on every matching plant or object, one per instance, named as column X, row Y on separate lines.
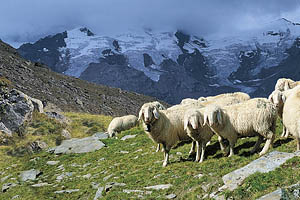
column 165, row 164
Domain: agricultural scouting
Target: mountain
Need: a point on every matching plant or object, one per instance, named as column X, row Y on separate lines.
column 172, row 65
column 68, row 93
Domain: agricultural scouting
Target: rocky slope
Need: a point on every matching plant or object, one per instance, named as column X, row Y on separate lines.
column 68, row 93
column 172, row 65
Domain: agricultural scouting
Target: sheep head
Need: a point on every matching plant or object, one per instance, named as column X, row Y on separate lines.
column 213, row 116
column 193, row 118
column 277, row 98
column 148, row 114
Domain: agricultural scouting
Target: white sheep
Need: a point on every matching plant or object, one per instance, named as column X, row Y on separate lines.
column 278, row 98
column 160, row 107
column 284, row 84
column 188, row 101
column 193, row 125
column 291, row 116
column 192, row 114
column 123, row 123
column 255, row 117
column 164, row 127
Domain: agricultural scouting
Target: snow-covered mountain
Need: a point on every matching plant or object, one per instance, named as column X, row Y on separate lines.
column 172, row 65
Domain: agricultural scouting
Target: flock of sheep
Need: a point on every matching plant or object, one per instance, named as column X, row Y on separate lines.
column 230, row 116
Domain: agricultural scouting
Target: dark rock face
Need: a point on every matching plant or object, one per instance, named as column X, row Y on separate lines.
column 46, row 51
column 147, row 60
column 15, row 109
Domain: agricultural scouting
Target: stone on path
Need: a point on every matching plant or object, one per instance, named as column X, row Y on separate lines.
column 75, row 145
column 264, row 164
column 6, row 186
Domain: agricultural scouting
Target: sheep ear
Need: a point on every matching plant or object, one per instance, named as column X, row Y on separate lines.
column 286, row 86
column 155, row 113
column 271, row 98
column 200, row 121
column 141, row 113
column 219, row 117
column 206, row 121
column 283, row 97
column 185, row 123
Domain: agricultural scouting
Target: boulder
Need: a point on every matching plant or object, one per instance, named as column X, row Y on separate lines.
column 76, row 145
column 30, row 174
column 15, row 108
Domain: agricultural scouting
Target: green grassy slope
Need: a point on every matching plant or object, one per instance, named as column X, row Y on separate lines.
column 139, row 168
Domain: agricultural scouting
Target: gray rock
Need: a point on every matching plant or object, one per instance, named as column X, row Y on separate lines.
column 36, row 146
column 64, row 175
column 5, row 178
column 99, row 193
column 291, row 192
column 159, row 187
column 198, row 176
column 52, row 162
column 29, row 174
column 124, row 152
column 7, row 186
column 75, row 145
column 87, row 176
column 108, row 187
column 171, row 196
column 40, row 184
column 264, row 164
column 66, row 134
column 16, row 197
column 107, row 177
column 132, row 191
column 66, row 191
column 15, row 108
column 128, row 137
column 100, row 135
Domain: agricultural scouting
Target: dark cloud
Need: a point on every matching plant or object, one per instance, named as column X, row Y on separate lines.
column 28, row 20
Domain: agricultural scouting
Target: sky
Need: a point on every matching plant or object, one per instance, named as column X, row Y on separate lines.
column 29, row 20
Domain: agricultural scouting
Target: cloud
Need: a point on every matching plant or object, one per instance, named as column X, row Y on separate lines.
column 31, row 19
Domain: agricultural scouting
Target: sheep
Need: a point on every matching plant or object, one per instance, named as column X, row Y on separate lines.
column 188, row 101
column 160, row 107
column 164, row 127
column 193, row 125
column 255, row 117
column 278, row 98
column 291, row 116
column 284, row 84
column 123, row 123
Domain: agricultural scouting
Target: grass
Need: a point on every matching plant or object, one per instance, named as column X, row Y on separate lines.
column 139, row 168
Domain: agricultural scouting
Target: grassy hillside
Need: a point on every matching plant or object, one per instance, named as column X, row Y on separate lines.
column 138, row 168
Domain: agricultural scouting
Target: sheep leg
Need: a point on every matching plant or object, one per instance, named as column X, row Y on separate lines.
column 286, row 133
column 192, row 151
column 231, row 145
column 157, row 148
column 220, row 139
column 198, row 151
column 270, row 138
column 166, row 155
column 283, row 131
column 257, row 144
column 203, row 147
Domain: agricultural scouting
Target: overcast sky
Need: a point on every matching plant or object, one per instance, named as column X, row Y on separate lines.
column 28, row 20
